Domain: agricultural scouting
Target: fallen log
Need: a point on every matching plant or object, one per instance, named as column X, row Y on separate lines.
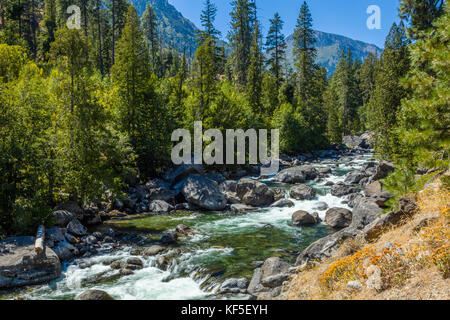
column 40, row 238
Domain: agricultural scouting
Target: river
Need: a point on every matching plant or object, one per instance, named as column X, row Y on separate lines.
column 224, row 245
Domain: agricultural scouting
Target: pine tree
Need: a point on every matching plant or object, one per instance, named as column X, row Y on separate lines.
column 305, row 54
column 150, row 27
column 388, row 93
column 207, row 18
column 420, row 14
column 423, row 129
column 254, row 85
column 240, row 38
column 276, row 48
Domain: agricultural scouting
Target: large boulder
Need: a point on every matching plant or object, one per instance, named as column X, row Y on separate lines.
column 365, row 211
column 161, row 194
column 160, row 206
column 20, row 265
column 65, row 251
column 234, row 285
column 263, row 278
column 63, row 217
column 338, row 217
column 204, row 193
column 373, row 189
column 254, row 193
column 55, row 234
column 71, row 206
column 302, row 218
column 354, row 177
column 94, row 295
column 302, row 192
column 76, row 228
column 382, row 170
column 297, row 174
column 356, row 142
column 341, row 189
column 179, row 172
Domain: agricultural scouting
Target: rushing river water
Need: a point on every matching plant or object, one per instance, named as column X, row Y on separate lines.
column 224, row 245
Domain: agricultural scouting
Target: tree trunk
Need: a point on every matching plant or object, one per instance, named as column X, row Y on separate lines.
column 40, row 238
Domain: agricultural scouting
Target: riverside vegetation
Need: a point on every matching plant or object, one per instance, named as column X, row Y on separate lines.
column 85, row 138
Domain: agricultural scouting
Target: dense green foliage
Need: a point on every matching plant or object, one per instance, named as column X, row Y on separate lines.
column 81, row 109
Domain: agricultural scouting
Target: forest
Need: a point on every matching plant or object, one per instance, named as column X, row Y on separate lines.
column 83, row 110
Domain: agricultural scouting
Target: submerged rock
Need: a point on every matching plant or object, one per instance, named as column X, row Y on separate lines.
column 283, row 203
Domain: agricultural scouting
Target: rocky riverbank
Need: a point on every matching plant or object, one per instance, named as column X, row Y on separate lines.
column 191, row 188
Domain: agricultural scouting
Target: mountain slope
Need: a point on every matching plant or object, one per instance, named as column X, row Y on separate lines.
column 329, row 47
column 177, row 32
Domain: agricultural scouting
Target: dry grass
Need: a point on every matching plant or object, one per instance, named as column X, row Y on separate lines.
column 415, row 264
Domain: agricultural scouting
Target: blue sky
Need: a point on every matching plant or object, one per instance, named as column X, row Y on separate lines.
column 344, row 17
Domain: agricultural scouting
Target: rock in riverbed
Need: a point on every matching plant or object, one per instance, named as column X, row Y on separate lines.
column 94, row 295
column 204, row 193
column 254, row 193
column 302, row 192
column 338, row 217
column 302, row 218
column 20, row 265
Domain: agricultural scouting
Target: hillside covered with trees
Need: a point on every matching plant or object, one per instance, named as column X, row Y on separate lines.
column 82, row 110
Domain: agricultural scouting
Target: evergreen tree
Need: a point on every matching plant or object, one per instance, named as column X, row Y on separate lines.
column 254, row 85
column 276, row 48
column 423, row 129
column 240, row 38
column 388, row 93
column 305, row 54
column 207, row 18
column 150, row 27
column 420, row 14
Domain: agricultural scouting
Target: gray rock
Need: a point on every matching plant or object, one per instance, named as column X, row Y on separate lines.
column 179, row 172
column 55, row 234
column 383, row 169
column 183, row 229
column 63, row 217
column 338, row 217
column 275, row 280
column 324, row 170
column 373, row 188
column 254, row 193
column 239, row 207
column 76, row 228
column 302, row 218
column 354, row 285
column 341, row 189
column 20, row 265
column 94, row 295
column 271, row 267
column 204, row 193
column 302, row 192
column 72, row 207
column 354, row 177
column 65, row 251
column 161, row 194
column 169, row 238
column 153, row 250
column 70, row 238
column 234, row 285
column 135, row 261
column 283, row 203
column 365, row 211
column 160, row 206
column 356, row 142
column 297, row 174
column 321, row 206
column 228, row 186
column 217, row 177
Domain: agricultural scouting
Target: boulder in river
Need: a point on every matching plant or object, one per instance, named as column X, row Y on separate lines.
column 20, row 265
column 65, row 250
column 94, row 295
column 160, row 206
column 283, row 203
column 263, row 278
column 302, row 192
column 239, row 207
column 169, row 238
column 341, row 189
column 302, row 218
column 153, row 250
column 338, row 217
column 254, row 193
column 321, row 206
column 179, row 172
column 354, row 177
column 297, row 174
column 204, row 193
